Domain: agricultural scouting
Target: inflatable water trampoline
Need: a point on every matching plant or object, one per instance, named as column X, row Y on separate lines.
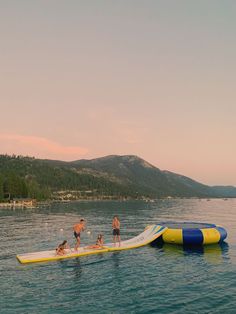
column 192, row 233
column 185, row 233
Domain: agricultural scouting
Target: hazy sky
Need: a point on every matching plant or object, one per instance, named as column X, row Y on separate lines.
column 85, row 79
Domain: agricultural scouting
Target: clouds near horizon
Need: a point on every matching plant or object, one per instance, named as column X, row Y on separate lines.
column 39, row 147
column 149, row 78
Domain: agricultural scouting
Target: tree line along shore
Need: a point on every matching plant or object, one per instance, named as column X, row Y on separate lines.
column 110, row 177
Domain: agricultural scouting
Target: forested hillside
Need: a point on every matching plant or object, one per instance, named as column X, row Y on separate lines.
column 35, row 178
column 106, row 177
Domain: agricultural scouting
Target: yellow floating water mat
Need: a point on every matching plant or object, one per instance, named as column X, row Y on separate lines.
column 150, row 234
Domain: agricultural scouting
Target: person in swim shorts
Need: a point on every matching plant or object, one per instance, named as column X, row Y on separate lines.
column 60, row 250
column 78, row 228
column 116, row 229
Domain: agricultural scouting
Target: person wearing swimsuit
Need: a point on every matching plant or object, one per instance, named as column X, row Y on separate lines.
column 99, row 243
column 116, row 229
column 78, row 228
column 60, row 250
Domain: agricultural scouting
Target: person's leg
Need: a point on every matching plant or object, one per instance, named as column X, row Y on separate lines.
column 114, row 237
column 119, row 239
column 118, row 235
column 77, row 243
column 92, row 247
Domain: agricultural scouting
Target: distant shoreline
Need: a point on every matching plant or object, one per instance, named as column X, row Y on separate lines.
column 146, row 200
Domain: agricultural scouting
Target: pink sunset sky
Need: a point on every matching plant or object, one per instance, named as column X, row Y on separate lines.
column 156, row 79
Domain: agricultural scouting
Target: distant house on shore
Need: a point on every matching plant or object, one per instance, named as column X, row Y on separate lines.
column 24, row 202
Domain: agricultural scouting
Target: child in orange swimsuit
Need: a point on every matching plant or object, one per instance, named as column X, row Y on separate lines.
column 99, row 243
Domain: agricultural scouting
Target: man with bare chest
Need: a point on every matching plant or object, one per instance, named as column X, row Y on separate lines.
column 78, row 228
column 116, row 230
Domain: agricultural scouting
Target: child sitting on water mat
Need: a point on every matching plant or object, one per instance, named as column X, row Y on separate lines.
column 99, row 243
column 60, row 250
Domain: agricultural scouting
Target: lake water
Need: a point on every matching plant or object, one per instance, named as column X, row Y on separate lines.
column 150, row 279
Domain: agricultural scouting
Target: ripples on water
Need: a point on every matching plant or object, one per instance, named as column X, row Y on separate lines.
column 151, row 279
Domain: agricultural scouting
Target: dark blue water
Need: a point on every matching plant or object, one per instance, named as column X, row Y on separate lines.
column 151, row 279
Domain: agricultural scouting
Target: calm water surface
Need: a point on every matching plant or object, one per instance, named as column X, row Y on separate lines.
column 151, row 279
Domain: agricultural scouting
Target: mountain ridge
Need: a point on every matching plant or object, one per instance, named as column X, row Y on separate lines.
column 170, row 178
column 112, row 176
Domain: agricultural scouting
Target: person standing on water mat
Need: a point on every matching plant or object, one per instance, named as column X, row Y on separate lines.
column 78, row 228
column 116, row 229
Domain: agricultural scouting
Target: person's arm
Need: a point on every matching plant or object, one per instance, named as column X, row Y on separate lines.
column 68, row 247
column 58, row 251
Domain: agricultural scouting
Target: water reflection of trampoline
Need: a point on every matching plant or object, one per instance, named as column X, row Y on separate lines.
column 212, row 254
column 192, row 233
